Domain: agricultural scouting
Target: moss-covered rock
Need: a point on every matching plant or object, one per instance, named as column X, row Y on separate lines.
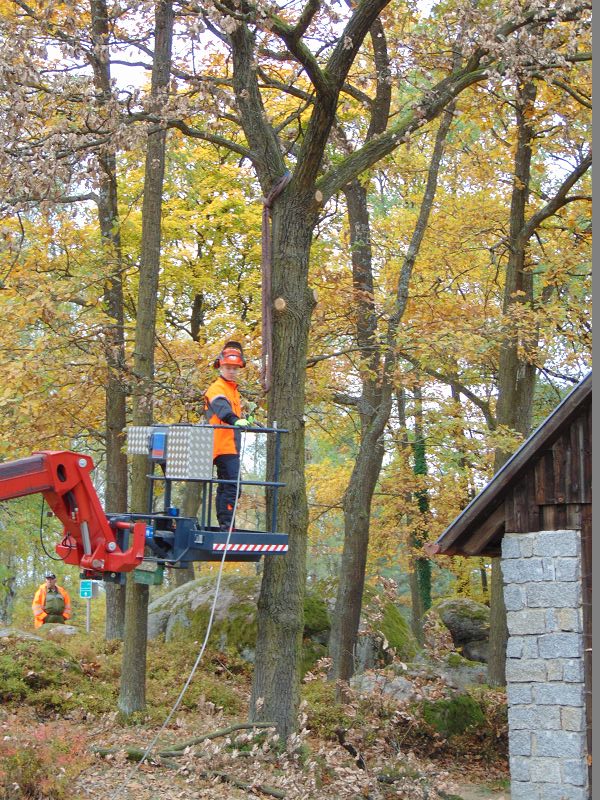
column 58, row 632
column 316, row 617
column 468, row 623
column 398, row 633
column 454, row 715
column 384, row 683
column 79, row 674
column 184, row 613
column 383, row 628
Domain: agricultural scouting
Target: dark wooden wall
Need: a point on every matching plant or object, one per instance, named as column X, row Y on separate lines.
column 555, row 490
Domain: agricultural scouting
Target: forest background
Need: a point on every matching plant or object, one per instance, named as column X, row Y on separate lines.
column 431, row 255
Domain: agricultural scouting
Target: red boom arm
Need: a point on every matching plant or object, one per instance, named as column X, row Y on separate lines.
column 64, row 479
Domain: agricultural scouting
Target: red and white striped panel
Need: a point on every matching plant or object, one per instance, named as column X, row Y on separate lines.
column 252, row 548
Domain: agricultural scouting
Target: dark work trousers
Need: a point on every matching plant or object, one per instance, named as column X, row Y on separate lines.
column 228, row 467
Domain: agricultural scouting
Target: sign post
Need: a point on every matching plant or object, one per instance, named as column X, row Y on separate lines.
column 86, row 590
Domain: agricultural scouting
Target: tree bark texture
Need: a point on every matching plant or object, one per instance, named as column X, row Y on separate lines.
column 404, row 445
column 276, row 685
column 374, row 408
column 516, row 373
column 417, row 608
column 133, row 676
column 498, row 628
column 422, row 564
column 116, row 392
column 357, row 509
column 375, row 402
column 132, row 693
column 191, row 502
column 8, row 591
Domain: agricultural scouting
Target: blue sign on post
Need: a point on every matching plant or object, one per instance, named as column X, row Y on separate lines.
column 85, row 589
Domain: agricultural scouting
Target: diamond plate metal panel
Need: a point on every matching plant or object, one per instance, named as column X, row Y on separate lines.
column 138, row 440
column 189, row 453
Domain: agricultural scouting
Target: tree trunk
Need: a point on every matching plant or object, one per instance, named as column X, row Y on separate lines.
column 183, row 576
column 276, row 685
column 516, row 374
column 498, row 628
column 280, row 614
column 357, row 511
column 116, row 393
column 191, row 502
column 417, row 607
column 133, row 677
column 416, row 600
column 484, row 581
column 8, row 591
column 115, row 611
column 374, row 408
column 375, row 403
column 422, row 565
column 517, row 371
column 420, row 576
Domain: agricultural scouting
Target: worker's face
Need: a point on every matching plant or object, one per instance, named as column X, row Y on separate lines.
column 50, row 581
column 230, row 372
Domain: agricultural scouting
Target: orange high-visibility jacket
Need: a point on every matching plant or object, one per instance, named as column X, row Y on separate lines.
column 223, row 406
column 39, row 602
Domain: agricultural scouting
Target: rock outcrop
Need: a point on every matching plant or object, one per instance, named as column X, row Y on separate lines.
column 469, row 626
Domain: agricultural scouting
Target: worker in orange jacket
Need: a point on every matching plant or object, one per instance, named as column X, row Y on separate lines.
column 223, row 406
column 51, row 603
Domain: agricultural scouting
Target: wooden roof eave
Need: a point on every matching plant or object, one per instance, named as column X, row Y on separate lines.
column 479, row 524
column 484, row 538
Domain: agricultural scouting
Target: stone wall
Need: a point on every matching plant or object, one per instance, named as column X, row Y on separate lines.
column 544, row 667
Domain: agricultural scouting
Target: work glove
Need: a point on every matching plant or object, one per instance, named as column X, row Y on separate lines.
column 250, row 407
column 241, row 423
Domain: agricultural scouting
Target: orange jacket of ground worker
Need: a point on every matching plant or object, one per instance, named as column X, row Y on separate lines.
column 39, row 602
column 223, row 406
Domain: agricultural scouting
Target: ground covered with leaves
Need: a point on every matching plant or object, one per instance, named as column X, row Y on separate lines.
column 62, row 738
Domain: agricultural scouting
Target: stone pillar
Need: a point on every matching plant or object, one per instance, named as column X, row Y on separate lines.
column 544, row 667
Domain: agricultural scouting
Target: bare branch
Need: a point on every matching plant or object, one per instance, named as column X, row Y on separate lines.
column 352, row 38
column 577, row 96
column 452, row 379
column 411, row 120
column 306, row 17
column 310, row 362
column 559, row 200
column 289, row 36
column 188, row 130
column 64, row 199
